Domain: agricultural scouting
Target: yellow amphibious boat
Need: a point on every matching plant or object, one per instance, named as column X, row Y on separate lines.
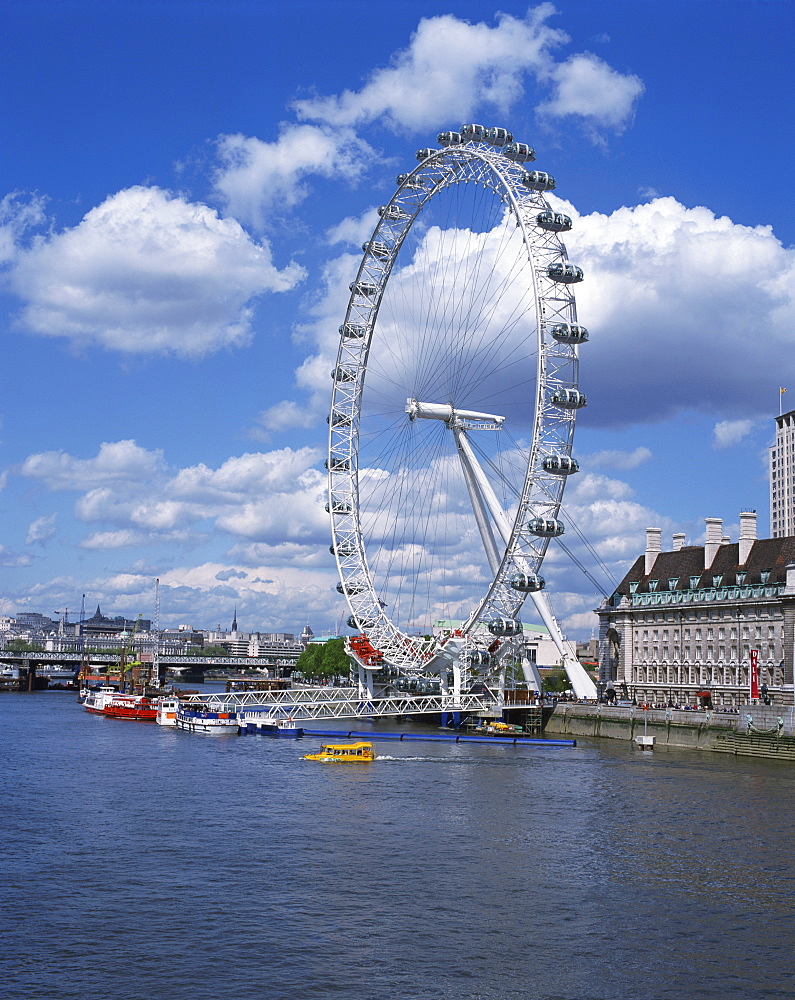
column 344, row 753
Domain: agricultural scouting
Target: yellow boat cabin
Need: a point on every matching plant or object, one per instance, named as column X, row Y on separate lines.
column 344, row 753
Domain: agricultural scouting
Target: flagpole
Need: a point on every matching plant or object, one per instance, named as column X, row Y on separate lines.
column 781, row 392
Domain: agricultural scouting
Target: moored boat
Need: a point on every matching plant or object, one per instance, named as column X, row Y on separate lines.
column 167, row 707
column 194, row 717
column 498, row 729
column 259, row 720
column 344, row 753
column 108, row 702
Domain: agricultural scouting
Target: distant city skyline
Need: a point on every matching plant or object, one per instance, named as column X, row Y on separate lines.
column 184, row 191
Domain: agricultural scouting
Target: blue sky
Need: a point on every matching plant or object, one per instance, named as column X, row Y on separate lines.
column 176, row 179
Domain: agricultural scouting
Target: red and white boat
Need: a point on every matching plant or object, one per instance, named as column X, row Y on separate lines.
column 107, row 701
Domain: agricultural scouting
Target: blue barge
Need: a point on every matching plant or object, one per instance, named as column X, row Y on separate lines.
column 438, row 738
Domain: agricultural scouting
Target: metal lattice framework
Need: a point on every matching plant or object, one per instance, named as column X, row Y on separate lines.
column 462, row 304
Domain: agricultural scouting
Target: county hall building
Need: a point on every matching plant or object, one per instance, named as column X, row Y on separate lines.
column 684, row 625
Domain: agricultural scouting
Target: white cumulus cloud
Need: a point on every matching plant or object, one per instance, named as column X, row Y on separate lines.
column 41, row 530
column 730, row 432
column 148, row 272
column 255, row 178
column 115, row 462
column 686, row 310
column 451, row 68
column 586, row 87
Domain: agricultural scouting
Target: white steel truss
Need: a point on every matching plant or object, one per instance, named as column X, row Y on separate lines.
column 340, row 703
column 555, row 398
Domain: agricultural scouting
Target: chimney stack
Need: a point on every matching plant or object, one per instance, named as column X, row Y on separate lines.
column 679, row 540
column 747, row 534
column 714, row 539
column 653, row 547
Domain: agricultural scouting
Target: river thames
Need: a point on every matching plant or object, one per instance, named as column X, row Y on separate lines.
column 142, row 862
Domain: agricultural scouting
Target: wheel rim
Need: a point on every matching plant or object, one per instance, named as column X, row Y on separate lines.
column 453, row 304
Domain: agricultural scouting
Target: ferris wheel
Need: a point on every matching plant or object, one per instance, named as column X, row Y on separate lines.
column 454, row 398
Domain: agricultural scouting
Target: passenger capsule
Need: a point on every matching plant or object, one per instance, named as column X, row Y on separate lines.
column 449, row 139
column 341, row 374
column 473, row 133
column 569, row 399
column 376, row 249
column 561, row 465
column 410, row 181
column 538, row 180
column 338, row 464
column 546, row 527
column 553, row 222
column 393, row 213
column 360, row 623
column 367, row 288
column 427, row 685
column 338, row 419
column 498, row 136
column 505, row 627
column 519, row 152
column 567, row 274
column 527, row 583
column 338, row 507
column 569, row 333
column 423, row 154
column 345, row 549
column 351, row 589
column 353, row 331
column 478, row 658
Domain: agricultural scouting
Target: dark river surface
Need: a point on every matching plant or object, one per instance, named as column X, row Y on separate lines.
column 141, row 862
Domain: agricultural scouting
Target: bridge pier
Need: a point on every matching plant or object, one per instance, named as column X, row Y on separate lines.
column 451, row 720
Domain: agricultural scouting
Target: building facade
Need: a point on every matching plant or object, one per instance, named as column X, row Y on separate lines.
column 782, row 477
column 683, row 626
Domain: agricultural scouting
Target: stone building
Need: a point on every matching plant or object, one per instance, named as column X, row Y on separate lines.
column 682, row 625
column 782, row 477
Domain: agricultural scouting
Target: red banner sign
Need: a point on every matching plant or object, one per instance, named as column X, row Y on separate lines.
column 754, row 673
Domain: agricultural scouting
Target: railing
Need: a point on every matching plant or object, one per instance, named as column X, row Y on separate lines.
column 339, row 703
column 202, row 662
column 707, row 594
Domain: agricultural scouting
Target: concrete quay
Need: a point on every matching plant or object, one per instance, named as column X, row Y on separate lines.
column 705, row 730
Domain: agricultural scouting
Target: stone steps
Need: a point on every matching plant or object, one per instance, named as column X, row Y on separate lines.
column 755, row 745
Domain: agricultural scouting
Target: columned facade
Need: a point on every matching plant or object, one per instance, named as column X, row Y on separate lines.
column 683, row 625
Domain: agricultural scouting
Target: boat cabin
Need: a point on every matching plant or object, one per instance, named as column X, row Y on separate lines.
column 354, row 753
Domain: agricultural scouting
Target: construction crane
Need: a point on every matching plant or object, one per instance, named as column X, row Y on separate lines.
column 82, row 670
column 126, row 663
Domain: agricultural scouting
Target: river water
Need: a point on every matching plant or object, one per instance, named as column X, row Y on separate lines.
column 141, row 862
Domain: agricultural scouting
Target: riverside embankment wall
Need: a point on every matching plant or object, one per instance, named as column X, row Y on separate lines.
column 669, row 727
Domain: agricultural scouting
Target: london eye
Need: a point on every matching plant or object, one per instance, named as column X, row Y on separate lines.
column 454, row 398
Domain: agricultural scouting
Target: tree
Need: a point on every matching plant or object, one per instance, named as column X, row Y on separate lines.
column 322, row 661
column 556, row 682
column 308, row 662
column 21, row 646
column 213, row 651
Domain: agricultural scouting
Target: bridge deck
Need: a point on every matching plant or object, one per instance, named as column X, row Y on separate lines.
column 343, row 703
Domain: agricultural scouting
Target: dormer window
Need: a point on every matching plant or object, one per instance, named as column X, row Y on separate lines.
column 653, row 585
column 716, row 579
column 673, row 582
column 694, row 582
column 764, row 576
column 633, row 588
column 740, row 579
